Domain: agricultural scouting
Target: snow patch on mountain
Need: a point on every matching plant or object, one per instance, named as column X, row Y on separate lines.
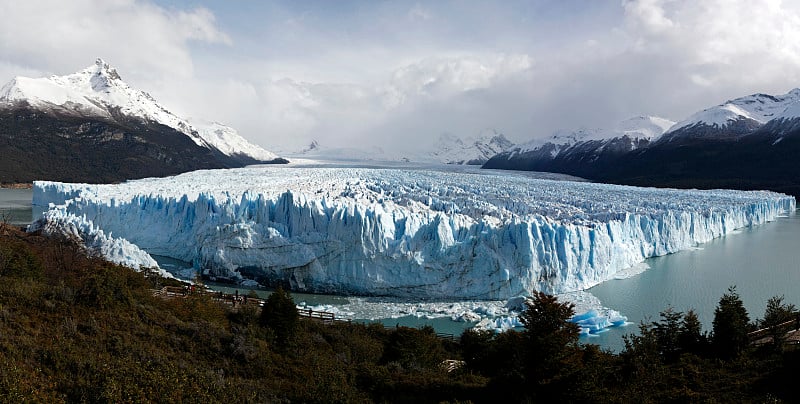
column 644, row 127
column 791, row 112
column 98, row 91
column 229, row 142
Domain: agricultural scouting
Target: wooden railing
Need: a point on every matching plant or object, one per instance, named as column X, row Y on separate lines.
column 323, row 316
column 782, row 327
column 237, row 301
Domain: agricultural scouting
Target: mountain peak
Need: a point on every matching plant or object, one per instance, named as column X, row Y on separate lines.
column 102, row 75
column 314, row 145
column 101, row 68
column 99, row 92
column 749, row 111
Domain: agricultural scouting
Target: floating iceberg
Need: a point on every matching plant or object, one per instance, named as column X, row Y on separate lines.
column 593, row 322
column 405, row 232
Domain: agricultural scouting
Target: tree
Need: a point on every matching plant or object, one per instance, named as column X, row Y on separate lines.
column 641, row 360
column 667, row 332
column 778, row 312
column 691, row 338
column 280, row 315
column 731, row 322
column 553, row 354
column 547, row 320
column 414, row 349
column 476, row 350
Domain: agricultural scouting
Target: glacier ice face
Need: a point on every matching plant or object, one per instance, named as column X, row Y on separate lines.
column 95, row 241
column 406, row 232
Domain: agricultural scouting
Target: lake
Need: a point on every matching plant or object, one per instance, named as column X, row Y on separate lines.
column 15, row 206
column 762, row 262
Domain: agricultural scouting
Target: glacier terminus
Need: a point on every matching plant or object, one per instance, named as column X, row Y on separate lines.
column 419, row 233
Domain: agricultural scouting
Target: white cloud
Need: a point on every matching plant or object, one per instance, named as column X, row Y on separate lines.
column 200, row 24
column 444, row 77
column 648, row 14
column 365, row 77
column 732, row 40
column 60, row 36
column 419, row 13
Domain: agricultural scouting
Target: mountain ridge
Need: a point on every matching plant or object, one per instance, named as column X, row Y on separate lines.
column 67, row 127
column 449, row 149
column 751, row 142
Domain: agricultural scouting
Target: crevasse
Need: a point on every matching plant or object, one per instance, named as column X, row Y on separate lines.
column 408, row 233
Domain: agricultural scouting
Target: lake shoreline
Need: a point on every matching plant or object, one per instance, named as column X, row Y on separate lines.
column 16, row 185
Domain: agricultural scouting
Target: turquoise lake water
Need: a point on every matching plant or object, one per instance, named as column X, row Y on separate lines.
column 15, row 205
column 761, row 262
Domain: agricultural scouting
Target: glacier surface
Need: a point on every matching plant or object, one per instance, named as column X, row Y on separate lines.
column 420, row 233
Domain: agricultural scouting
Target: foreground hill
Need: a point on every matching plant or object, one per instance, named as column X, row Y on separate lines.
column 751, row 142
column 79, row 329
column 91, row 126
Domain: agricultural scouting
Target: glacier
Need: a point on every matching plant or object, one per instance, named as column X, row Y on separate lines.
column 415, row 233
column 96, row 242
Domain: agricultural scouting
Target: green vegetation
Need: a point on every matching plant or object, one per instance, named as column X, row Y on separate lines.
column 78, row 329
column 279, row 315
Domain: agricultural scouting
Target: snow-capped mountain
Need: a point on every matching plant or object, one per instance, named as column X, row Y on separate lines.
column 734, row 118
column 93, row 127
column 588, row 144
column 644, row 127
column 752, row 142
column 452, row 149
column 229, row 142
column 449, row 149
column 316, row 150
column 99, row 92
column 314, row 145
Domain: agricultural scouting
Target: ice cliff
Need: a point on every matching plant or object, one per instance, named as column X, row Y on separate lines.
column 409, row 233
column 95, row 241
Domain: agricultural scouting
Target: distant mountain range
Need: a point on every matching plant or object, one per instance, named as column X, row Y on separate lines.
column 751, row 142
column 92, row 127
column 452, row 149
column 449, row 149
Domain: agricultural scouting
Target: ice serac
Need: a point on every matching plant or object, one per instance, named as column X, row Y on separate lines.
column 411, row 233
column 95, row 241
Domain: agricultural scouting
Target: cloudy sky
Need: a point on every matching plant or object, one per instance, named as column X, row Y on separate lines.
column 400, row 73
